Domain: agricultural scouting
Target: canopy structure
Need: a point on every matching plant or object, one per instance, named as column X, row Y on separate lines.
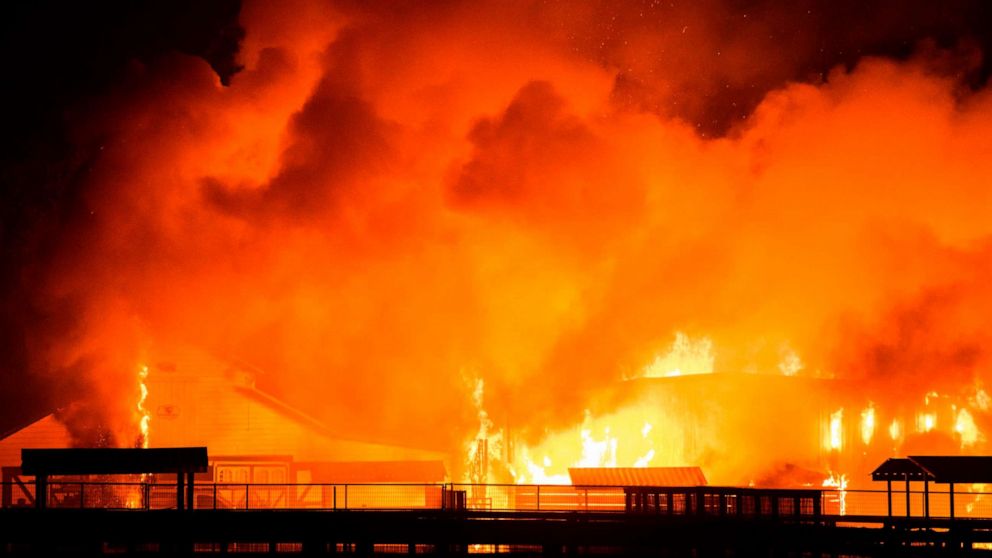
column 959, row 469
column 942, row 469
column 183, row 462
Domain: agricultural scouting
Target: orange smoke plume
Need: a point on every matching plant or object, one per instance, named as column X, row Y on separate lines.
column 390, row 199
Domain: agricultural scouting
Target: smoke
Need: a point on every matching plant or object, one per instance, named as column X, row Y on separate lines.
column 388, row 195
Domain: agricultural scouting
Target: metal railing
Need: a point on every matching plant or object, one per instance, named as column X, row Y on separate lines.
column 476, row 497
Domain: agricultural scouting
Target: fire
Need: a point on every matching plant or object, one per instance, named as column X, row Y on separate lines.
column 684, row 357
column 538, row 202
column 965, row 427
column 145, row 417
column 926, row 421
column 868, row 424
column 838, row 482
column 836, row 430
column 895, row 430
column 790, row 364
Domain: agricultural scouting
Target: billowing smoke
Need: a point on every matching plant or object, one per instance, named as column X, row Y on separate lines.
column 393, row 199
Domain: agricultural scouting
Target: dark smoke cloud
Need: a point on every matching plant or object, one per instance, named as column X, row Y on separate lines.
column 56, row 56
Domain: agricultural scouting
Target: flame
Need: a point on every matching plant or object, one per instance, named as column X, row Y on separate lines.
column 514, row 202
column 895, row 430
column 684, row 357
column 840, row 483
column 485, row 448
column 620, row 439
column 790, row 364
column 145, row 417
column 836, row 430
column 966, row 428
column 868, row 424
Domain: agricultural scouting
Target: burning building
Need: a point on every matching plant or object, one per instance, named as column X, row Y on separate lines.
column 253, row 437
column 391, row 200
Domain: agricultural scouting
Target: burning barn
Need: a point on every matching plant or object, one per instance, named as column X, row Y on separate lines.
column 252, row 436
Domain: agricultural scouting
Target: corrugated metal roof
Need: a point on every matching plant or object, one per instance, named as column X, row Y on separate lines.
column 964, row 469
column 637, row 476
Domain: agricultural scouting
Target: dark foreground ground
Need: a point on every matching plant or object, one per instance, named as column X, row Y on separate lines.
column 91, row 532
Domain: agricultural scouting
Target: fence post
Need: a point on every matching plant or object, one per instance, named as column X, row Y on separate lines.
column 346, row 496
column 538, row 497
column 247, row 506
column 215, row 495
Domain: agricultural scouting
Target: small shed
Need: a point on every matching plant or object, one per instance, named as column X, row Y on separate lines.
column 940, row 469
column 183, row 462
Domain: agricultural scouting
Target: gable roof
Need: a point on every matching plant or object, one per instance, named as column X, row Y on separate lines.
column 204, row 401
column 899, row 468
column 637, row 476
column 943, row 469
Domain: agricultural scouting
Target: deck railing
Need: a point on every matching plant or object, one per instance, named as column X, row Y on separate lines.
column 476, row 497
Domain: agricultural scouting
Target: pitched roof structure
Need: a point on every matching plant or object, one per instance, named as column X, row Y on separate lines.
column 958, row 469
column 637, row 476
column 943, row 469
column 899, row 468
column 199, row 400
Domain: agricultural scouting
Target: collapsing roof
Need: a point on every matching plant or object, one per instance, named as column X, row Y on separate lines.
column 637, row 476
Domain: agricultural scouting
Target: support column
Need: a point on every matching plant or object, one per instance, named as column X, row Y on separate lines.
column 41, row 491
column 952, row 500
column 190, row 486
column 180, row 492
column 908, row 514
column 888, row 491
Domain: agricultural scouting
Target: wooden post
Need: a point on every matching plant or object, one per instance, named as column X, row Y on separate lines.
column 926, row 497
column 908, row 513
column 180, row 492
column 190, row 489
column 888, row 490
column 952, row 500
column 41, row 491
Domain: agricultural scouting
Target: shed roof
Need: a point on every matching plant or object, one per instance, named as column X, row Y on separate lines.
column 637, row 476
column 113, row 461
column 964, row 469
column 900, row 468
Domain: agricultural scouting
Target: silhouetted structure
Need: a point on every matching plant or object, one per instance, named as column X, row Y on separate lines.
column 940, row 469
column 183, row 462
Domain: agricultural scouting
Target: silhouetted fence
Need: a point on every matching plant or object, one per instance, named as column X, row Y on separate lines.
column 475, row 497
